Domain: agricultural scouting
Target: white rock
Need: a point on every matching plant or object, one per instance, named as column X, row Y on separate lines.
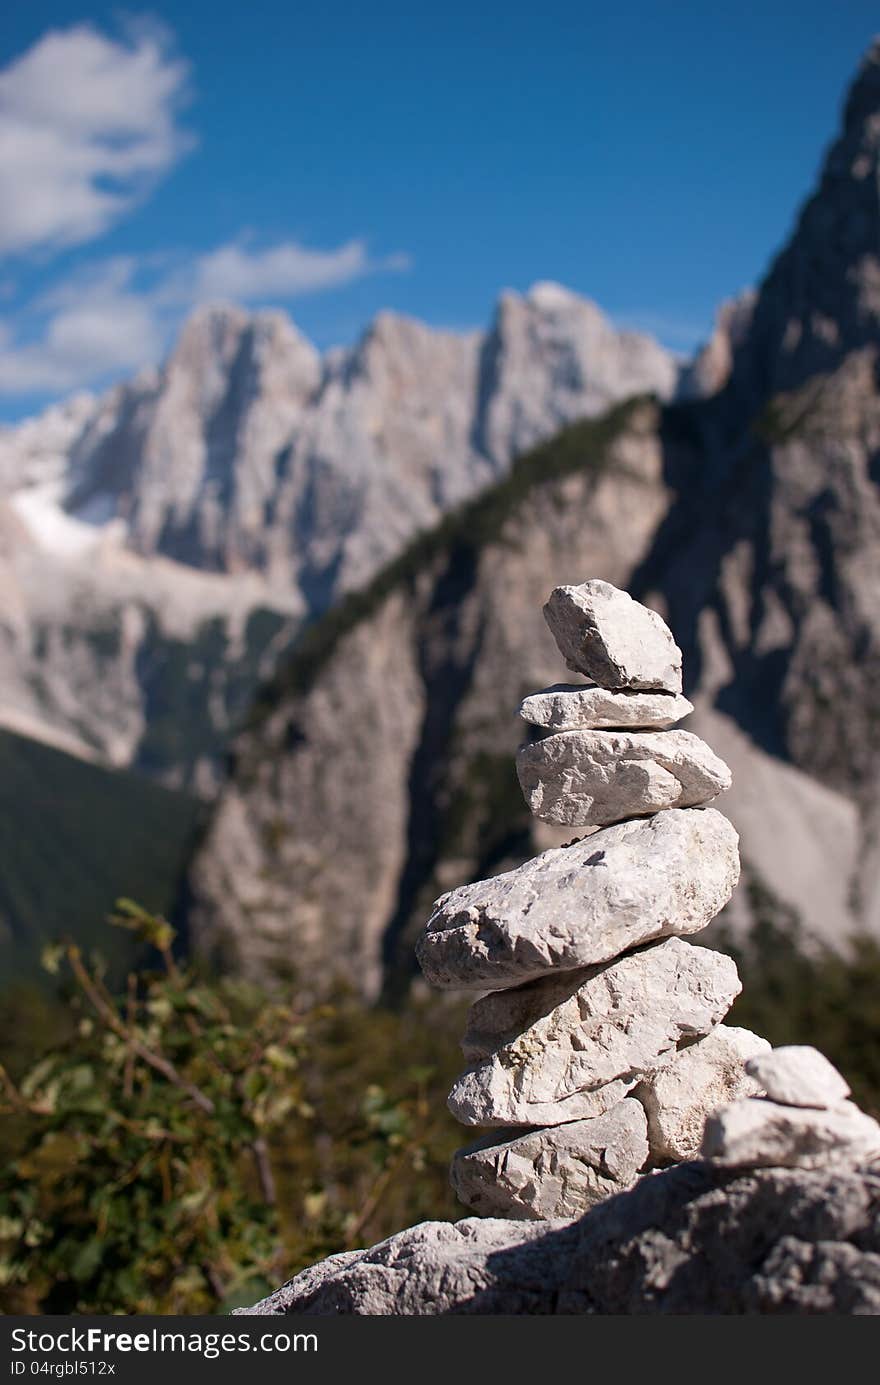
column 759, row 1133
column 558, row 1172
column 568, row 1047
column 591, row 778
column 680, row 1095
column 572, row 707
column 615, row 641
column 797, row 1075
column 578, row 905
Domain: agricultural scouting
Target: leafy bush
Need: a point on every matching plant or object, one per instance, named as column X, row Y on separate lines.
column 187, row 1145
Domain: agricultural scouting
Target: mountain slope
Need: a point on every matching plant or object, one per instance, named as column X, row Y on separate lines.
column 75, row 838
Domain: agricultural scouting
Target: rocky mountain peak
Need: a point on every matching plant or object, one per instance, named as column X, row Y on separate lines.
column 552, row 355
column 821, row 297
column 710, row 369
column 220, row 341
column 863, row 98
column 36, row 451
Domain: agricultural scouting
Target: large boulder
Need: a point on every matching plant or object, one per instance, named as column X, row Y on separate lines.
column 570, row 1046
column 577, row 905
column 593, row 778
column 558, row 1172
column 573, row 707
column 694, row 1239
column 617, row 642
column 680, row 1094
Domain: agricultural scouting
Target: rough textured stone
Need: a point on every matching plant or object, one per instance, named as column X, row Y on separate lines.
column 569, row 1046
column 592, row 778
column 572, row 707
column 680, row 1095
column 695, row 1239
column 797, row 1075
column 558, row 1172
column 615, row 641
column 578, row 905
column 760, row 1133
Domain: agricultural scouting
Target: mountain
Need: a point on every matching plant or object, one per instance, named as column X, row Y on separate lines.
column 161, row 546
column 378, row 767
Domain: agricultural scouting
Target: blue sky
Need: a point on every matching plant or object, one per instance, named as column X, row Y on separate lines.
column 338, row 160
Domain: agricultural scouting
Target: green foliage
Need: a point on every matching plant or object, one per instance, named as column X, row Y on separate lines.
column 74, row 836
column 185, row 1146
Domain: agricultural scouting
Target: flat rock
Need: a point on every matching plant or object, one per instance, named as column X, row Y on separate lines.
column 568, row 1047
column 592, row 778
column 615, row 641
column 759, row 1133
column 695, row 1239
column 700, row 1078
column 577, row 905
column 797, row 1075
column 558, row 1172
column 573, row 707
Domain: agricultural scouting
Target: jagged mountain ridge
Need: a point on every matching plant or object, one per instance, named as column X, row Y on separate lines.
column 160, row 545
column 750, row 519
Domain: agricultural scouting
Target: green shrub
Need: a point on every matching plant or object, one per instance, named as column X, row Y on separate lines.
column 185, row 1146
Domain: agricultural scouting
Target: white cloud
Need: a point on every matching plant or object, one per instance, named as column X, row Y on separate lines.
column 119, row 314
column 282, row 271
column 87, row 125
column 235, row 273
column 96, row 327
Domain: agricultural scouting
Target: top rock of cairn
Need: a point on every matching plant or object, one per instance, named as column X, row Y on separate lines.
column 611, row 639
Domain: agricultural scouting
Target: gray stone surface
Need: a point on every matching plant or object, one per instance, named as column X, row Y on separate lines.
column 570, row 1046
column 586, row 903
column 798, row 1075
column 557, row 1172
column 574, row 707
column 680, row 1095
column 593, row 778
column 692, row 1240
column 759, row 1133
column 615, row 641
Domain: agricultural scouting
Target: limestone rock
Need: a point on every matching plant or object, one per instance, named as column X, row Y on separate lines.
column 573, row 707
column 797, row 1075
column 558, row 1172
column 615, row 641
column 759, row 1133
column 569, row 1046
column 592, row 778
column 578, row 905
column 680, row 1095
column 695, row 1239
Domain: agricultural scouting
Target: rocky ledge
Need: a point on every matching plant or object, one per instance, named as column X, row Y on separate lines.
column 695, row 1239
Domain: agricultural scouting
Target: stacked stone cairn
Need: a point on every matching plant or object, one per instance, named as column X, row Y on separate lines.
column 597, row 1049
